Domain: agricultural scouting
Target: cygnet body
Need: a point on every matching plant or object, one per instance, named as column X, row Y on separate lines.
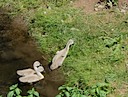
column 60, row 56
column 30, row 75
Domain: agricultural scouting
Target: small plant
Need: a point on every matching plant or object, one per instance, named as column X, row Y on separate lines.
column 33, row 93
column 98, row 90
column 14, row 91
column 70, row 92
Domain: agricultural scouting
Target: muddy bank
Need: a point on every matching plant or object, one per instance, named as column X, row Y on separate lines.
column 18, row 51
column 86, row 5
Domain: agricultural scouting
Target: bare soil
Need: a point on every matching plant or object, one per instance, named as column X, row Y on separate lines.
column 18, row 50
column 88, row 5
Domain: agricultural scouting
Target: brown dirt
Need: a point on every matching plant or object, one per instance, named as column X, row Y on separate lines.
column 122, row 1
column 18, row 51
column 120, row 90
column 88, row 5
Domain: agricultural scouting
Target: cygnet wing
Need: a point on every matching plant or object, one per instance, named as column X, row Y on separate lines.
column 58, row 55
column 30, row 79
column 25, row 72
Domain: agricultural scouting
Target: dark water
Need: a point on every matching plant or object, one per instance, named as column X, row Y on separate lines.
column 18, row 51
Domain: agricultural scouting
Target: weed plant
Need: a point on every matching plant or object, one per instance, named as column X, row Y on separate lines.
column 98, row 90
column 14, row 91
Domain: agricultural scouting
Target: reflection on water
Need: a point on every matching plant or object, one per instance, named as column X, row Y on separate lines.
column 18, row 51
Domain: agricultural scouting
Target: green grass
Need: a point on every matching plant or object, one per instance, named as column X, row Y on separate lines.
column 101, row 40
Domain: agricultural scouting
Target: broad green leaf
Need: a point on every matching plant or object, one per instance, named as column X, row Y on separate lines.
column 69, row 88
column 30, row 96
column 102, row 84
column 10, row 94
column 95, row 86
column 13, row 87
column 36, row 94
column 102, row 93
column 74, row 94
column 59, row 95
column 33, row 90
column 61, row 88
column 93, row 91
column 18, row 91
column 67, row 94
column 86, row 92
column 29, row 91
column 78, row 95
column 83, row 96
column 97, row 90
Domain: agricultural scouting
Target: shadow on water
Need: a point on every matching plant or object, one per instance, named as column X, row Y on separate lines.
column 18, row 51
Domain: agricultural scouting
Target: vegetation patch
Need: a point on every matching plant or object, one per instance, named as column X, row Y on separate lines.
column 14, row 91
column 98, row 90
column 100, row 50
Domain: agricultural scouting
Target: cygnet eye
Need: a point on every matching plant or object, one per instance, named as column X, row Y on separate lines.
column 39, row 65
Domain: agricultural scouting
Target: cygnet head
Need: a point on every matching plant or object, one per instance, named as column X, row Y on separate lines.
column 71, row 41
column 36, row 63
column 40, row 69
column 38, row 66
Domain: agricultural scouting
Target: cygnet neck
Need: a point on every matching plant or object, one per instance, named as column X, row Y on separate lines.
column 38, row 72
